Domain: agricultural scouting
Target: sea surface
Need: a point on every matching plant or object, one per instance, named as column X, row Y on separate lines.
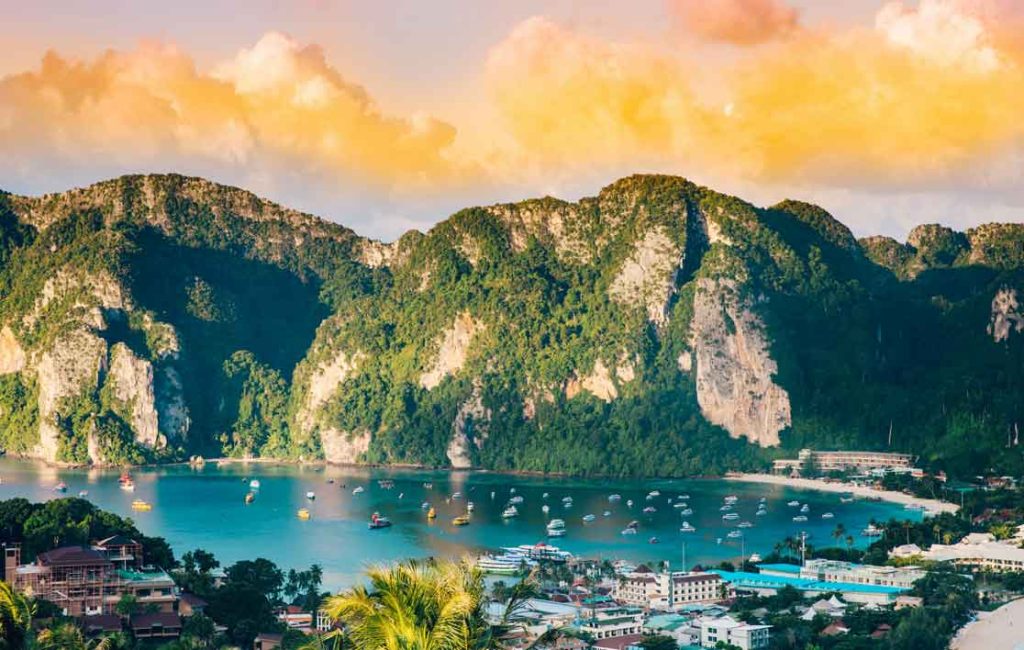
column 204, row 508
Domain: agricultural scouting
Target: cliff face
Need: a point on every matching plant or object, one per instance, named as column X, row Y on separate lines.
column 658, row 327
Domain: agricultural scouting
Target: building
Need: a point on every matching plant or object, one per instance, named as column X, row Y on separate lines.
column 161, row 625
column 90, row 581
column 267, row 641
column 684, row 630
column 606, row 621
column 768, row 583
column 726, row 629
column 839, row 461
column 626, row 642
column 978, row 550
column 861, row 574
column 668, row 591
column 296, row 618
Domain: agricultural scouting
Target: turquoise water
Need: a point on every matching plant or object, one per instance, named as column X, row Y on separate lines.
column 204, row 508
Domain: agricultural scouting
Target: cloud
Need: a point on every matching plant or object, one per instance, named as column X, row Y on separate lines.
column 740, row 22
column 943, row 31
column 275, row 107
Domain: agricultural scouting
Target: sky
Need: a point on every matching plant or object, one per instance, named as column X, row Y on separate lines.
column 391, row 115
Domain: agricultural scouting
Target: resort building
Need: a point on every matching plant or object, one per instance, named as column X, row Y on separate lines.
column 85, row 581
column 728, row 630
column 838, row 461
column 861, row 574
column 978, row 550
column 668, row 591
column 769, row 582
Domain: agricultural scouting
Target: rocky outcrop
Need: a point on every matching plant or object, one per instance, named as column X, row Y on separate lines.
column 647, row 278
column 598, row 383
column 469, row 428
column 323, row 383
column 133, row 386
column 1006, row 315
column 453, row 350
column 342, row 447
column 734, row 368
column 12, row 356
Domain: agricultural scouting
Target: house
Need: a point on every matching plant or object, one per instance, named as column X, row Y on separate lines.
column 296, row 618
column 190, row 604
column 267, row 641
column 909, row 601
column 100, row 624
column 161, row 625
column 729, row 630
column 835, row 628
column 625, row 642
column 832, row 607
column 838, row 461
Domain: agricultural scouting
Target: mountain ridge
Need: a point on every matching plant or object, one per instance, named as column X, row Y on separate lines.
column 149, row 317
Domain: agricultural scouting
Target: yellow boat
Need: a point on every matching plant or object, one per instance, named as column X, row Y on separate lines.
column 139, row 504
column 461, row 521
column 249, row 497
column 303, row 514
column 431, row 514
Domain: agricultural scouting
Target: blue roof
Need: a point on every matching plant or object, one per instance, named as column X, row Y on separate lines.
column 759, row 580
column 788, row 568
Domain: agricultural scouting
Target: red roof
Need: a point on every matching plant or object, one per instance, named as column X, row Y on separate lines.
column 72, row 556
column 160, row 619
column 618, row 642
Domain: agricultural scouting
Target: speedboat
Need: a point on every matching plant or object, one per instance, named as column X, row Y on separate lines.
column 827, row 515
column 509, row 512
column 687, row 527
column 556, row 528
column 311, row 495
column 302, row 514
column 800, row 518
column 654, row 493
column 254, row 484
column 606, row 513
column 680, row 504
column 358, row 489
column 735, row 534
column 725, row 508
column 512, row 491
column 544, row 496
column 730, row 516
column 461, row 520
column 760, row 513
column 845, row 499
column 793, row 504
column 566, row 499
column 377, row 521
column 83, row 494
column 431, row 514
column 424, row 505
column 589, row 518
column 492, row 494
column 516, row 499
column 732, row 498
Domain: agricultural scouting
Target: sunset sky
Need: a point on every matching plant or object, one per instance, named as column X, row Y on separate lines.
column 390, row 115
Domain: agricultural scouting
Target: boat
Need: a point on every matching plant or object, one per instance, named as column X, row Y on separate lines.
column 470, row 507
column 509, row 512
column 725, row 508
column 654, row 493
column 512, row 491
column 377, row 521
column 401, row 495
column 686, row 512
column 744, row 524
column 683, row 497
column 254, row 484
column 425, row 505
column 330, row 481
column 793, row 504
column 735, row 534
column 141, row 506
column 566, row 499
column 687, row 527
column 653, row 540
column 358, row 489
column 680, row 504
column 614, row 497
column 805, row 508
column 845, row 499
column 461, row 520
column 762, row 500
column 456, row 495
column 589, row 518
column 760, row 513
column 431, row 514
column 606, row 513
column 650, row 510
column 631, row 528
column 61, row 487
column 544, row 496
column 629, row 503
column 872, row 531
column 429, row 486
column 730, row 516
column 539, row 552
column 800, row 518
column 516, row 499
column 128, row 486
column 545, row 509
column 249, row 497
column 302, row 514
column 311, row 495
column 827, row 515
column 732, row 498
column 504, row 565
column 556, row 528
column 83, row 494
column 755, row 557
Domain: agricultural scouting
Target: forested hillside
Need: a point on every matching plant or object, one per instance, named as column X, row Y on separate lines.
column 657, row 328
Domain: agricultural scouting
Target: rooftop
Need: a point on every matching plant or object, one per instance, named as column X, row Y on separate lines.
column 759, row 580
column 71, row 556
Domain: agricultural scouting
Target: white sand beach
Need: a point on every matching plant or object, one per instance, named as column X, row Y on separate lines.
column 931, row 506
column 1002, row 629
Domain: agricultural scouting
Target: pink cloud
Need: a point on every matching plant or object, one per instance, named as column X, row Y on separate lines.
column 740, row 22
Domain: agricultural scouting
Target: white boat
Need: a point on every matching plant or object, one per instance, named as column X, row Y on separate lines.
column 760, row 513
column 845, row 499
column 735, row 534
column 424, row 505
column 686, row 512
column 556, row 528
column 512, row 491
column 310, row 495
column 566, row 499
column 730, row 516
column 827, row 515
column 629, row 503
column 628, row 531
column 545, row 509
column 755, row 557
column 614, row 497
column 725, row 508
column 732, row 498
column 544, row 496
column 805, row 508
column 872, row 531
column 470, row 507
column 654, row 493
column 515, row 500
column 509, row 512
column 650, row 510
column 254, row 484
column 687, row 528
column 456, row 495
column 606, row 513
column 744, row 524
column 800, row 518
column 501, row 565
column 683, row 497
column 680, row 504
column 793, row 504
column 589, row 518
column 492, row 494
column 358, row 490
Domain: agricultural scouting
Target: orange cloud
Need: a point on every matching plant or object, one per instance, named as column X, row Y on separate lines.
column 274, row 106
column 740, row 22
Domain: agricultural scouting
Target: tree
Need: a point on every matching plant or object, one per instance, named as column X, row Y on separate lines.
column 64, row 637
column 127, row 605
column 918, row 631
column 200, row 631
column 658, row 642
column 435, row 605
column 261, row 574
column 115, row 641
column 16, row 614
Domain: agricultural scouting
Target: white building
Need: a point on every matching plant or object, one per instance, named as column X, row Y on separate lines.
column 743, row 635
column 861, row 574
column 608, row 622
column 979, row 550
column 668, row 591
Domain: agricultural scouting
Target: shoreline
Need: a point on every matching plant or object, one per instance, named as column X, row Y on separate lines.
column 930, row 506
column 993, row 630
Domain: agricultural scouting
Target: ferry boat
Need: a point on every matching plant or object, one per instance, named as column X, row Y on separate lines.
column 249, row 497
column 461, row 520
column 503, row 565
column 735, row 534
column 793, row 504
column 614, row 497
column 556, row 528
column 589, row 518
column 687, row 527
column 254, row 484
column 730, row 516
column 141, row 506
column 872, row 531
column 800, row 518
column 539, row 552
column 509, row 512
column 303, row 514
column 61, row 487
column 431, row 514
column 827, row 515
column 311, row 495
column 358, row 489
column 377, row 521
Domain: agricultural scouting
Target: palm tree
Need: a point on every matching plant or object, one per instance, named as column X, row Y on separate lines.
column 115, row 641
column 838, row 532
column 16, row 614
column 434, row 605
column 64, row 637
